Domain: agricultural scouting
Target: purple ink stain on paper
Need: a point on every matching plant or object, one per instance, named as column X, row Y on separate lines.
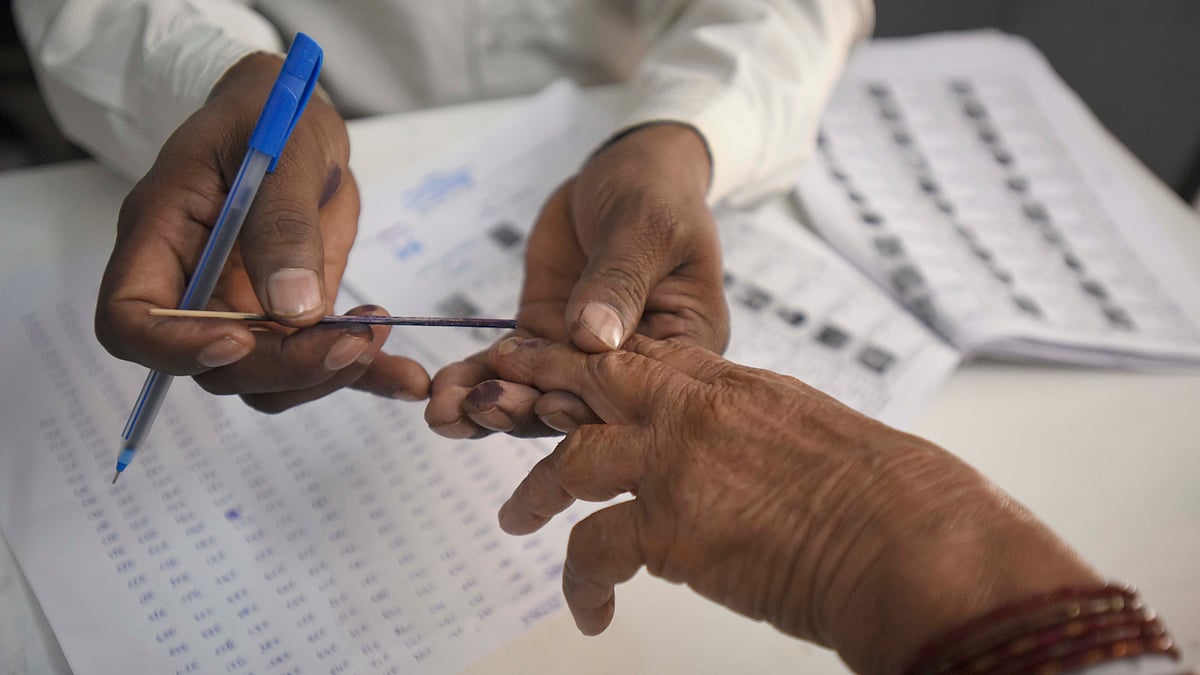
column 232, row 514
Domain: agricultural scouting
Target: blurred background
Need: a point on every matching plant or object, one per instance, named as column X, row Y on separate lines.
column 1136, row 64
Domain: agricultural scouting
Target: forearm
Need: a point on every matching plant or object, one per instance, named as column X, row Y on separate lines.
column 752, row 78
column 120, row 75
column 957, row 568
column 950, row 567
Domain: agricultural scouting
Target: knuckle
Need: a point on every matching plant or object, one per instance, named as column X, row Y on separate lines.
column 131, row 206
column 606, row 366
column 457, row 374
column 289, row 225
column 521, row 372
column 663, row 224
column 582, row 554
column 660, row 350
column 724, row 412
column 107, row 333
column 566, row 468
column 215, row 385
column 627, row 279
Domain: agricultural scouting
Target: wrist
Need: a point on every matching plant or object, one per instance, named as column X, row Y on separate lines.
column 670, row 149
column 930, row 570
column 1059, row 631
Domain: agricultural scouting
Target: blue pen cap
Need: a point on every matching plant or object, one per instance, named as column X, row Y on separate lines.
column 288, row 97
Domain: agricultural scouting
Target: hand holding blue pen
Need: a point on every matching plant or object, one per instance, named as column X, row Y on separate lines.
column 288, row 261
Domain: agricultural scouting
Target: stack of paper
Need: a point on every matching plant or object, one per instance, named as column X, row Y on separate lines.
column 960, row 173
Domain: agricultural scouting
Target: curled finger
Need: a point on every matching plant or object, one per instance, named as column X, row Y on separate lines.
column 620, row 387
column 593, row 463
column 282, row 362
column 604, row 550
column 348, row 375
column 506, row 407
column 449, row 389
column 563, row 411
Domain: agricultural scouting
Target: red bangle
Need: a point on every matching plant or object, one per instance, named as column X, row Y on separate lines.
column 1056, row 634
column 1087, row 648
column 1048, row 633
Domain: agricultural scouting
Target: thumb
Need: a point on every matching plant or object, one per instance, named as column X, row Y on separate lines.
column 607, row 302
column 282, row 249
column 281, row 242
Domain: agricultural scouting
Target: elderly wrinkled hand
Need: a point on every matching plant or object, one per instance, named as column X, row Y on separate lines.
column 628, row 245
column 771, row 498
column 288, row 263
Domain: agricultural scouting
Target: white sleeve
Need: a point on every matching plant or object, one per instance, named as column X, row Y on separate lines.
column 752, row 77
column 120, row 75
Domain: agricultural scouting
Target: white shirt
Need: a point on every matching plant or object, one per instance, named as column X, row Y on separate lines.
column 750, row 75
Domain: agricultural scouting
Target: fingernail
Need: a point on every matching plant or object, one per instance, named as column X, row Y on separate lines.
column 345, row 351
column 508, row 346
column 603, row 322
column 222, row 353
column 294, row 292
column 559, row 421
column 457, row 429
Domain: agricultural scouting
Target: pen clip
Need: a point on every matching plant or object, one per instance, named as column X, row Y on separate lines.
column 288, row 98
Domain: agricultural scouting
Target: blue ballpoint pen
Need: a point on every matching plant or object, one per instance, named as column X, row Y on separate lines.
column 289, row 95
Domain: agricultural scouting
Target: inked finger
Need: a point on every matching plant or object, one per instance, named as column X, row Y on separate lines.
column 594, row 463
column 448, row 390
column 506, row 407
column 620, row 387
column 603, row 551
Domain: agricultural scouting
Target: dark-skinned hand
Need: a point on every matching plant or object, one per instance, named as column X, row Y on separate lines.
column 288, row 262
column 627, row 245
column 773, row 499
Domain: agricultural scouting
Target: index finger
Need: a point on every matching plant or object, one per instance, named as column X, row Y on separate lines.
column 160, row 229
column 595, row 463
column 621, row 387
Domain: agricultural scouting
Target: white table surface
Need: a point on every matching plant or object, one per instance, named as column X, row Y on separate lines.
column 1110, row 459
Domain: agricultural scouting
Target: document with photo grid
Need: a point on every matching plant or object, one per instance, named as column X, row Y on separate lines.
column 966, row 178
column 797, row 308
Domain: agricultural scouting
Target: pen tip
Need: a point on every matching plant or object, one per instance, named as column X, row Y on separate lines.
column 115, row 477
